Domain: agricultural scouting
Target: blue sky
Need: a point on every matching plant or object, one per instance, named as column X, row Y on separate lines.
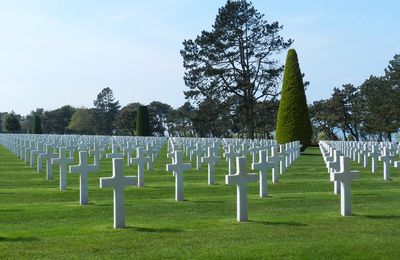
column 54, row 53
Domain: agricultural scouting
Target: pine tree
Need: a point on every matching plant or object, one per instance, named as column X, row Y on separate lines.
column 37, row 125
column 293, row 121
column 142, row 122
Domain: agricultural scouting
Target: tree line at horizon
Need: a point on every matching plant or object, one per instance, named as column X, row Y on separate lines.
column 370, row 111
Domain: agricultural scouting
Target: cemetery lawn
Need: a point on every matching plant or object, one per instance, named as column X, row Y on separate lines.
column 300, row 219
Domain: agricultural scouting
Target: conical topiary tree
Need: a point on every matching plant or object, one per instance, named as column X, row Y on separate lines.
column 293, row 117
column 37, row 125
column 142, row 121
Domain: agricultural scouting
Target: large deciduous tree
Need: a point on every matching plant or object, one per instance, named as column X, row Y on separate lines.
column 235, row 58
column 106, row 109
column 57, row 121
column 83, row 121
column 11, row 123
column 125, row 122
column 159, row 113
column 381, row 112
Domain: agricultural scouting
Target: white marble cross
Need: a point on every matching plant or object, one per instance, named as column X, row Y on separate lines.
column 140, row 160
column 36, row 152
column 118, row 181
column 231, row 155
column 63, row 161
column 274, row 159
column 95, row 153
column 386, row 157
column 48, row 155
column 334, row 166
column 114, row 153
column 178, row 167
column 83, row 168
column 198, row 152
column 210, row 160
column 263, row 166
column 374, row 154
column 241, row 179
column 345, row 176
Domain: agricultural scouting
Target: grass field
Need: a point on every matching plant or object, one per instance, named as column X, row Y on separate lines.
column 300, row 219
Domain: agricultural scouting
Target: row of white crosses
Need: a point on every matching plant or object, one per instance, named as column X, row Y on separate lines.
column 117, row 181
column 339, row 170
column 365, row 152
column 235, row 152
column 288, row 154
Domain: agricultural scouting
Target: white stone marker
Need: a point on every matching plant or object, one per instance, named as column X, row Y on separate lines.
column 95, row 153
column 63, row 161
column 140, row 160
column 83, row 168
column 262, row 166
column 48, row 155
column 114, row 153
column 274, row 159
column 240, row 179
column 345, row 176
column 386, row 157
column 231, row 155
column 178, row 167
column 334, row 166
column 198, row 152
column 374, row 154
column 211, row 160
column 118, row 181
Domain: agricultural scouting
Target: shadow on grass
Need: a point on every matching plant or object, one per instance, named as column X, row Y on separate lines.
column 290, row 198
column 311, row 154
column 382, row 216
column 18, row 239
column 11, row 210
column 154, row 230
column 279, row 223
column 205, row 201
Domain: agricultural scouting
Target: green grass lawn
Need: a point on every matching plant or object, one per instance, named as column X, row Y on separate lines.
column 300, row 219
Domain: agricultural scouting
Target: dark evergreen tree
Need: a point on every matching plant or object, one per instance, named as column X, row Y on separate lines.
column 37, row 125
column 143, row 122
column 11, row 123
column 293, row 121
column 106, row 109
column 235, row 59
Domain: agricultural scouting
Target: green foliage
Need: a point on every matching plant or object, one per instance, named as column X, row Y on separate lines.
column 106, row 110
column 57, row 121
column 322, row 117
column 143, row 122
column 381, row 106
column 37, row 125
column 83, row 121
column 11, row 123
column 159, row 114
column 181, row 121
column 125, row 122
column 235, row 59
column 293, row 121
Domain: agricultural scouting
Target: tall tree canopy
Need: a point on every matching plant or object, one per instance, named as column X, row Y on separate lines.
column 235, row 58
column 11, row 123
column 125, row 122
column 106, row 109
